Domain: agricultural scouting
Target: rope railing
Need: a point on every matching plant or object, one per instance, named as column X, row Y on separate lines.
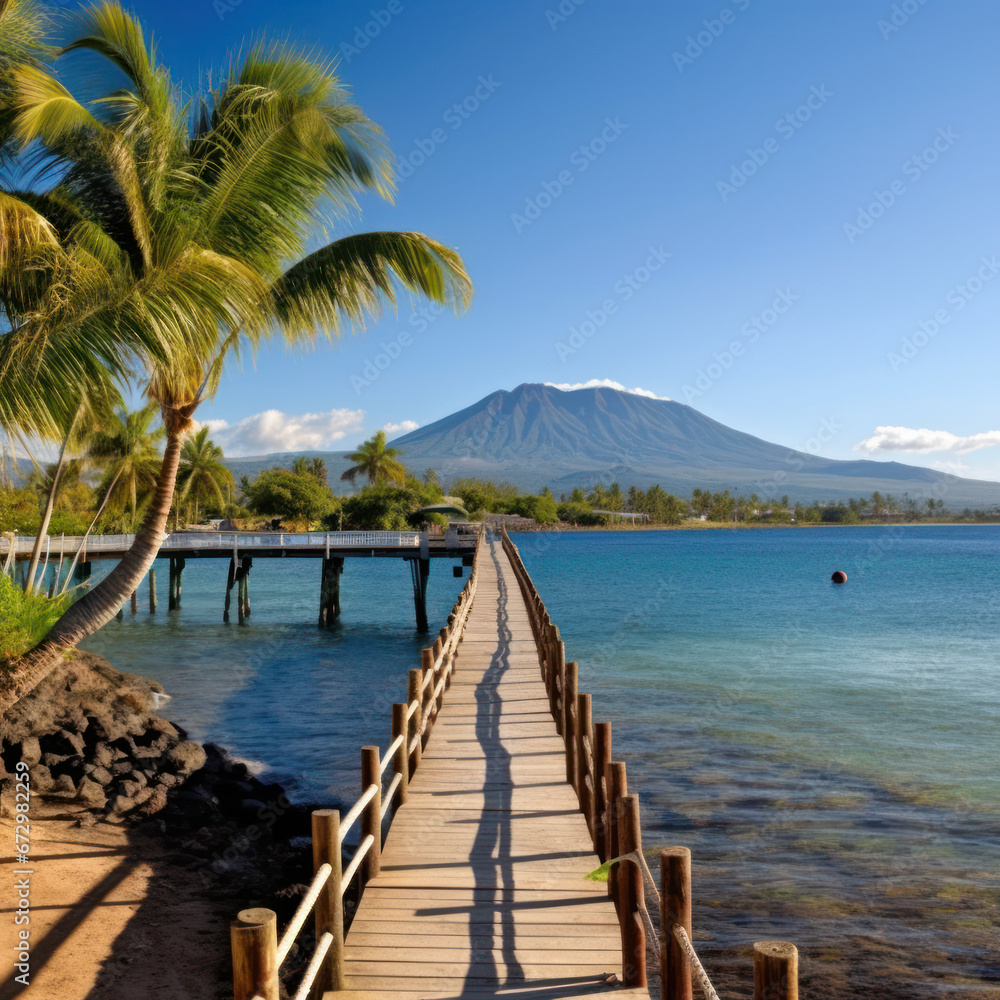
column 257, row 955
column 612, row 816
column 302, row 911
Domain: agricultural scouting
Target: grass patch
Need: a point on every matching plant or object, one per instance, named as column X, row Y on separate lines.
column 25, row 619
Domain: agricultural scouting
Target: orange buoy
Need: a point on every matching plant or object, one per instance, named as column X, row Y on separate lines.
column 839, row 576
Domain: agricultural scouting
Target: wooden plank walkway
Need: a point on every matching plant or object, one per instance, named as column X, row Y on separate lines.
column 482, row 890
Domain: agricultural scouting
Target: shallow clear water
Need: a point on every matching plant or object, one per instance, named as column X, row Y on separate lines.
column 829, row 753
column 294, row 700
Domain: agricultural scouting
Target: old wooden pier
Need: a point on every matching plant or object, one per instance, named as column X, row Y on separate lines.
column 416, row 548
column 499, row 795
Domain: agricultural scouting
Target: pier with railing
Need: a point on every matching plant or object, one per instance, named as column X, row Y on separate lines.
column 481, row 826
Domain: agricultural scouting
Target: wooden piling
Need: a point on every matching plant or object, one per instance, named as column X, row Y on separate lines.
column 152, row 590
column 630, row 881
column 617, row 787
column 675, row 909
column 243, row 594
column 775, row 971
column 400, row 759
column 371, row 818
column 174, row 587
column 584, row 734
column 329, row 590
column 329, row 910
column 419, row 569
column 602, row 756
column 570, row 720
column 230, row 580
column 253, row 937
column 414, row 694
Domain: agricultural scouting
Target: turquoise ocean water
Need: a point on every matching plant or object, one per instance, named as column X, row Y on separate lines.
column 829, row 753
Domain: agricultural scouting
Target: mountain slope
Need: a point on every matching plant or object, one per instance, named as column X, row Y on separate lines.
column 537, row 435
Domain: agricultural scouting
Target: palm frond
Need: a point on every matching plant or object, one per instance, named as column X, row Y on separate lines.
column 48, row 113
column 355, row 277
column 24, row 25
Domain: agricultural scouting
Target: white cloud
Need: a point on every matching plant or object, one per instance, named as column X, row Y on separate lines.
column 604, row 383
column 274, row 431
column 922, row 439
column 403, row 427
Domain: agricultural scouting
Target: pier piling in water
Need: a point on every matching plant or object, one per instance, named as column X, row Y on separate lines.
column 329, row 589
column 419, row 569
column 174, row 589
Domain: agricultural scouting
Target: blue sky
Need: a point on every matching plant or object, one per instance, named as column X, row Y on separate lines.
column 784, row 213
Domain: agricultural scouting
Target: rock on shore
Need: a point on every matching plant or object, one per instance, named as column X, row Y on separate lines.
column 91, row 739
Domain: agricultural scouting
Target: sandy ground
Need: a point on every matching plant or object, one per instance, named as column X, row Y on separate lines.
column 111, row 918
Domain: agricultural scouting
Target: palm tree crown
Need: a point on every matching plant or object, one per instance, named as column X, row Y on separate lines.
column 201, row 475
column 174, row 240
column 127, row 449
column 377, row 461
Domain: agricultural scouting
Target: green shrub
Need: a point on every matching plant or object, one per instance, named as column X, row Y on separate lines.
column 25, row 619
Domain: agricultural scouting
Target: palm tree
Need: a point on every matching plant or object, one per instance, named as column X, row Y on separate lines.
column 377, row 461
column 314, row 467
column 317, row 468
column 201, row 475
column 127, row 449
column 152, row 261
column 51, row 484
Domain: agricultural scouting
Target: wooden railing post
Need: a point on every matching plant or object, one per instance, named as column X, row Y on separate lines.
column 584, row 732
column 630, row 879
column 427, row 658
column 253, row 937
column 329, row 911
column 775, row 971
column 401, row 758
column 416, row 720
column 556, row 669
column 617, row 787
column 675, row 909
column 602, row 756
column 371, row 818
column 570, row 720
column 547, row 658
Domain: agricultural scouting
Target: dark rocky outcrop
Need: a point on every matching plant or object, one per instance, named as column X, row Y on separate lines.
column 93, row 742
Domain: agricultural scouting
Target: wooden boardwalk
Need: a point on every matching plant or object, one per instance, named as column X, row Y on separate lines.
column 482, row 891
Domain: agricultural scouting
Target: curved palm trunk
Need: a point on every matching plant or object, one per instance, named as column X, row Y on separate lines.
column 101, row 604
